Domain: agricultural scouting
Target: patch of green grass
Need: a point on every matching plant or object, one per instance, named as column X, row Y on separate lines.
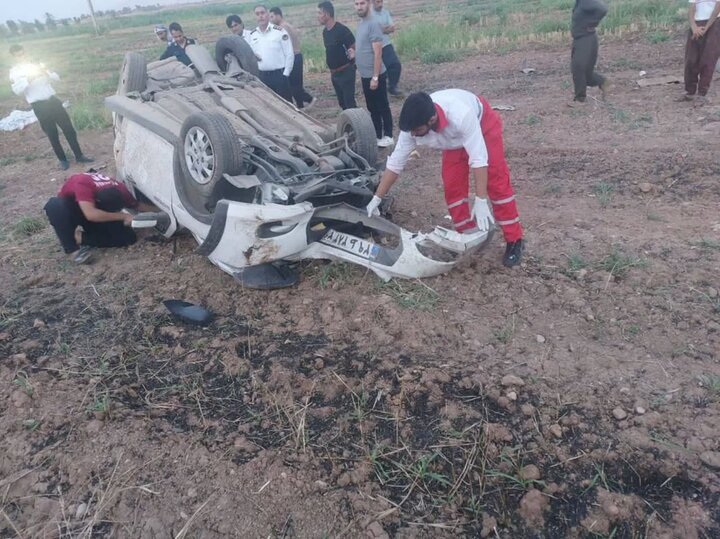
column 604, row 193
column 658, row 37
column 625, row 63
column 619, row 116
column 411, row 295
column 27, row 226
column 533, row 119
column 88, row 116
column 470, row 18
column 335, row 273
column 711, row 384
column 32, row 424
column 439, row 56
column 23, row 382
column 103, row 86
column 547, row 26
column 504, row 334
column 552, row 189
column 618, row 263
column 4, row 161
column 576, row 262
column 101, row 404
column 710, row 245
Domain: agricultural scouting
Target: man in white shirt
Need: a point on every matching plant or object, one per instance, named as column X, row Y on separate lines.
column 702, row 49
column 32, row 81
column 237, row 27
column 273, row 49
column 469, row 132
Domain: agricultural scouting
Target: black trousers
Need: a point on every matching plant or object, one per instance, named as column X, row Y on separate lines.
column 277, row 82
column 297, row 88
column 65, row 216
column 344, row 84
column 393, row 66
column 51, row 115
column 582, row 64
column 379, row 106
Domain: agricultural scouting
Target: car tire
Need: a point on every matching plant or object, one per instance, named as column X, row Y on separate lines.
column 208, row 147
column 237, row 46
column 357, row 125
column 133, row 74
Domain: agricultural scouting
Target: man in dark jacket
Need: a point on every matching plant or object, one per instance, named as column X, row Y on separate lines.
column 586, row 15
column 177, row 47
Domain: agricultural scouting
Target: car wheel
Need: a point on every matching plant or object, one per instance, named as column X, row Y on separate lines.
column 357, row 126
column 133, row 74
column 240, row 48
column 208, row 148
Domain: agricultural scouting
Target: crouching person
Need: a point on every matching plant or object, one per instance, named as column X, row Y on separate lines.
column 88, row 213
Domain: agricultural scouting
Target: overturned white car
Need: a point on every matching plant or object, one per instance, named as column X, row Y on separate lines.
column 255, row 180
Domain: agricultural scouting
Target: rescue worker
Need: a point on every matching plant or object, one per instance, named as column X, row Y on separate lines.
column 32, row 81
column 469, row 132
column 339, row 44
column 389, row 56
column 273, row 49
column 87, row 213
column 297, row 88
column 237, row 27
column 702, row 49
column 178, row 45
column 373, row 74
column 586, row 15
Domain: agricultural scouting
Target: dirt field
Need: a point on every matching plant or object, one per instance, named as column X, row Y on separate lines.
column 575, row 396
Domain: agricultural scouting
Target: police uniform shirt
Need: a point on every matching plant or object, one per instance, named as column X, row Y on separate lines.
column 274, row 48
column 459, row 115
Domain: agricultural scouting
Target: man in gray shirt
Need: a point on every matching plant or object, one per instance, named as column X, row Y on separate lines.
column 368, row 57
column 389, row 56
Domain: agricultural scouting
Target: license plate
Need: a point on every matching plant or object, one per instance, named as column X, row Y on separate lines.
column 351, row 244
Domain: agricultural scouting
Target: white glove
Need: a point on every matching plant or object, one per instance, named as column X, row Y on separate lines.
column 372, row 207
column 482, row 214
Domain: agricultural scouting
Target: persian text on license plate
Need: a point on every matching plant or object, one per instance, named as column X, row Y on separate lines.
column 351, row 244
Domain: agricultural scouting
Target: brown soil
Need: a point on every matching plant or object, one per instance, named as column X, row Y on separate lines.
column 553, row 400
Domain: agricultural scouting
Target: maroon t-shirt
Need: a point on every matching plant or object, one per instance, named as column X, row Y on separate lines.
column 85, row 187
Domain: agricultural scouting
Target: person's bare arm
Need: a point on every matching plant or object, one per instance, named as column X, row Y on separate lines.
column 96, row 215
column 386, row 182
column 377, row 63
column 694, row 28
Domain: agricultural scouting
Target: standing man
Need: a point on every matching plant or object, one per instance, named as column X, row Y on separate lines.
column 702, row 49
column 237, row 27
column 32, row 81
column 586, row 15
column 389, row 56
column 87, row 213
column 296, row 75
column 178, row 45
column 373, row 73
column 469, row 132
column 339, row 44
column 161, row 32
column 271, row 44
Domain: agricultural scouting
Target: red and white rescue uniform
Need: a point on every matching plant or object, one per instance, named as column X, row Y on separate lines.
column 469, row 132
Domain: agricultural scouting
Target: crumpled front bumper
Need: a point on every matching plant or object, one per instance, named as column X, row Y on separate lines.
column 243, row 235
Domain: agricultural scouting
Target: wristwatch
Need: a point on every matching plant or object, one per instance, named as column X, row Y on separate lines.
column 375, row 78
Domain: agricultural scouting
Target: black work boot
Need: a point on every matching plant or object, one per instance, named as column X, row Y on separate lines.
column 513, row 253
column 84, row 159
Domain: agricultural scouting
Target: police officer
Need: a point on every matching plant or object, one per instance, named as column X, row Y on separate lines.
column 273, row 49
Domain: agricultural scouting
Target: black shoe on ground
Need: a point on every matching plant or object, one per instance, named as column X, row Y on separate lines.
column 64, row 165
column 84, row 159
column 396, row 93
column 83, row 255
column 513, row 253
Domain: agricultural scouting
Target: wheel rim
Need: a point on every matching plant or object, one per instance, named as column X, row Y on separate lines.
column 199, row 155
